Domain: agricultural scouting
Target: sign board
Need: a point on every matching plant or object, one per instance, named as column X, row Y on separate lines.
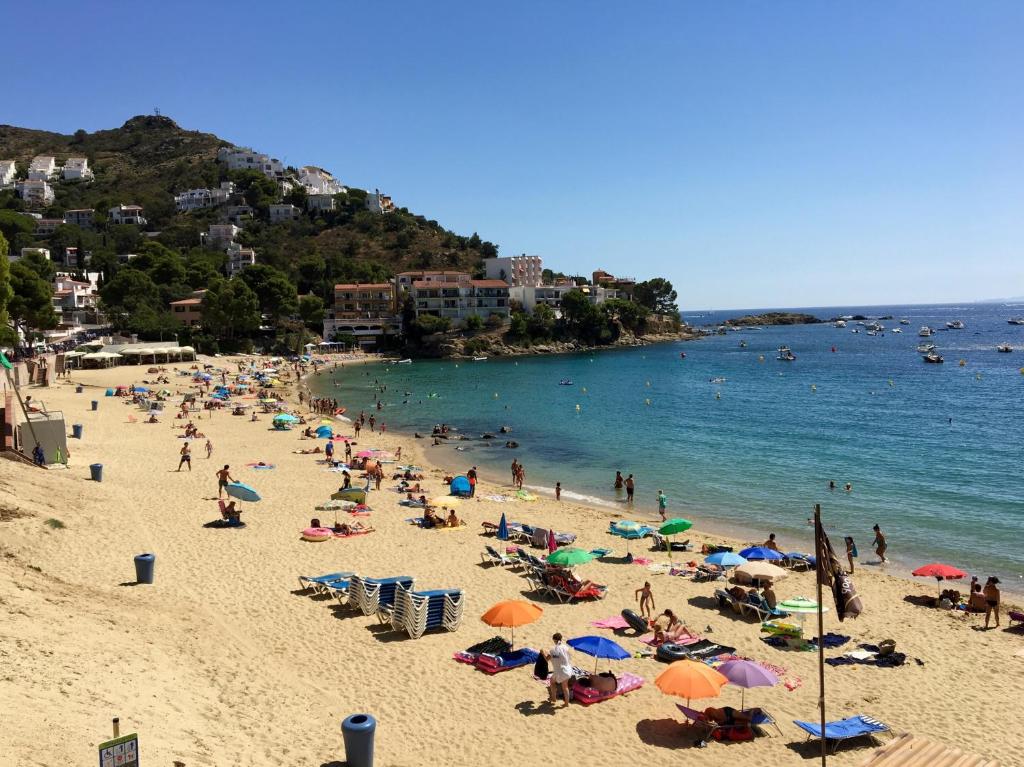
column 120, row 752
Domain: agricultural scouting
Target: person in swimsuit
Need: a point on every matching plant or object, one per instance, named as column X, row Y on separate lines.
column 186, row 457
column 991, row 594
column 880, row 544
column 630, row 489
column 223, row 477
column 619, row 482
column 851, row 551
column 646, row 598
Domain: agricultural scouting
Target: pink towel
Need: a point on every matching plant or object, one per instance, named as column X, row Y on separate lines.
column 615, row 622
column 642, row 561
column 684, row 639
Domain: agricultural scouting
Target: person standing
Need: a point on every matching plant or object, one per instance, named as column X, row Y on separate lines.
column 329, row 451
column 561, row 669
column 186, row 457
column 991, row 594
column 618, row 481
column 515, row 470
column 223, row 477
column 662, row 504
column 558, row 491
column 471, row 476
column 357, row 426
column 880, row 544
column 209, row 449
column 646, row 598
column 630, row 489
column 851, row 551
column 40, row 457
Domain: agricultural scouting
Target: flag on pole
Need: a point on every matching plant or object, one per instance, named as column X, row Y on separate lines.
column 832, row 574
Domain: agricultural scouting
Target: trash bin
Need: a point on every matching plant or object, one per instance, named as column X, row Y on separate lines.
column 358, row 730
column 95, row 405
column 78, row 390
column 96, row 472
column 76, row 430
column 144, row 568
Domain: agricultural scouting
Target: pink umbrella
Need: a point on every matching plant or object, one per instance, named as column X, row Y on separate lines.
column 745, row 674
column 366, row 454
column 552, row 545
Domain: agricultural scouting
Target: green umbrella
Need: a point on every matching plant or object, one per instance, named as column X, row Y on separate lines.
column 672, row 527
column 569, row 556
column 801, row 607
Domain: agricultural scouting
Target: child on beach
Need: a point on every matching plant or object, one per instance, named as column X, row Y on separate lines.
column 209, row 449
column 646, row 598
column 851, row 551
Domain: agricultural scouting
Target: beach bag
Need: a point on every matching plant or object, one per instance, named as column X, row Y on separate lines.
column 886, row 647
column 540, row 668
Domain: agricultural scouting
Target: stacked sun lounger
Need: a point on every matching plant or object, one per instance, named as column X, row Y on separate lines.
column 324, row 584
column 417, row 612
column 369, row 595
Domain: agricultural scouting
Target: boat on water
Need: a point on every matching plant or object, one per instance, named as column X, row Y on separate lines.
column 1016, row 320
column 872, row 332
column 896, row 330
column 925, row 348
column 479, row 359
column 565, row 382
column 1004, row 348
column 717, row 380
column 955, row 324
column 786, row 354
column 404, row 362
column 840, row 323
column 875, row 326
column 933, row 357
column 925, row 331
column 904, row 322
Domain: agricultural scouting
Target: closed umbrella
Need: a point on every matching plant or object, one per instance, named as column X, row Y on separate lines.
column 760, row 552
column 724, row 559
column 761, row 571
column 746, row 674
column 599, row 647
column 503, row 528
column 940, row 573
column 690, row 679
column 511, row 613
column 568, row 557
column 552, row 543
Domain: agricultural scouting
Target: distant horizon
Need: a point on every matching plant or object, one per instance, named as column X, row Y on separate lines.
column 887, row 305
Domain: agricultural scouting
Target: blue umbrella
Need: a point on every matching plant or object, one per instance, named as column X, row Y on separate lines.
column 760, row 552
column 503, row 528
column 141, row 388
column 242, row 492
column 599, row 647
column 725, row 559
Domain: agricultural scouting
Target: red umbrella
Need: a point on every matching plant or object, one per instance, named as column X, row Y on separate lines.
column 552, row 545
column 940, row 573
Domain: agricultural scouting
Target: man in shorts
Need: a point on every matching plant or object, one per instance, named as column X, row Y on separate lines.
column 223, row 477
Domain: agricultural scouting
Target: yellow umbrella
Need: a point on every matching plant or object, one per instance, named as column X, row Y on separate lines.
column 511, row 613
column 690, row 679
column 445, row 500
column 760, row 570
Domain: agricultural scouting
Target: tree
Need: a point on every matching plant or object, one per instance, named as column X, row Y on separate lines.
column 41, row 265
column 474, row 323
column 276, row 293
column 30, row 306
column 428, row 324
column 542, row 323
column 657, row 295
column 230, row 307
column 12, row 223
column 131, row 293
column 7, row 335
column 311, row 312
column 630, row 314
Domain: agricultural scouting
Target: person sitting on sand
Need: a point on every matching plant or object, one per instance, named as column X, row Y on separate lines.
column 254, row 417
column 231, row 514
column 452, row 521
column 976, row 601
column 152, row 418
column 770, row 543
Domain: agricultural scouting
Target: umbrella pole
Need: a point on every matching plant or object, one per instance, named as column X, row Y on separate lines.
column 819, row 568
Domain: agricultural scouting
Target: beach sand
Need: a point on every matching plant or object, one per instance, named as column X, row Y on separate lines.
column 221, row 662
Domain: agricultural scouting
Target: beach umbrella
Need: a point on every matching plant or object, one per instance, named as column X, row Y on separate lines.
column 801, row 607
column 334, row 504
column 673, row 527
column 690, row 679
column 503, row 528
column 242, row 492
column 629, row 530
column 940, row 573
column 724, row 559
column 286, row 417
column 599, row 647
column 569, row 556
column 746, row 674
column 365, row 454
column 552, row 543
column 444, row 500
column 760, row 552
column 761, row 571
column 511, row 613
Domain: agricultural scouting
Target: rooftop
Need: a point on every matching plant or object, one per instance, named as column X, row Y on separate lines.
column 364, row 286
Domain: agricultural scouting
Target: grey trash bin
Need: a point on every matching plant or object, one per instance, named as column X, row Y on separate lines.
column 144, row 568
column 76, row 430
column 96, row 472
column 95, row 405
column 78, row 390
column 358, row 730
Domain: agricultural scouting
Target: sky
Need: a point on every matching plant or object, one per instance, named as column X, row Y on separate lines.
column 757, row 154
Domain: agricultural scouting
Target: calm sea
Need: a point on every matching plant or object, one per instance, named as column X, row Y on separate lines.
column 934, row 452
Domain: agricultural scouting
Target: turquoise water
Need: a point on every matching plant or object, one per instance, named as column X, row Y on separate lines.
column 933, row 452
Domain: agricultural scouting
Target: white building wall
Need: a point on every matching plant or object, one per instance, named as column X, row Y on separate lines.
column 8, row 169
column 517, row 271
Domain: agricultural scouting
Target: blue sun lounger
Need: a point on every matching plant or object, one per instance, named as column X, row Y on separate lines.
column 319, row 582
column 844, row 729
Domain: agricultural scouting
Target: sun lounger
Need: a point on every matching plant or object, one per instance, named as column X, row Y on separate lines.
column 660, row 540
column 417, row 612
column 491, row 556
column 844, row 729
column 369, row 595
column 318, row 582
column 708, row 573
column 1014, row 615
column 758, row 718
column 703, row 649
column 566, row 590
column 495, row 664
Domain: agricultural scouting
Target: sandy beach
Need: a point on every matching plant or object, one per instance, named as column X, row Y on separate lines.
column 222, row 661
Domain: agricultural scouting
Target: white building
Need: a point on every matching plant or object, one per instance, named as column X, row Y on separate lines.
column 47, row 226
column 517, row 271
column 320, row 202
column 236, row 214
column 34, row 192
column 8, row 170
column 221, row 235
column 42, row 168
column 44, row 252
column 81, row 217
column 379, row 203
column 283, row 212
column 551, row 295
column 239, row 258
column 127, row 214
column 77, row 168
column 319, row 181
column 243, row 158
column 74, row 301
column 459, row 299
column 196, row 199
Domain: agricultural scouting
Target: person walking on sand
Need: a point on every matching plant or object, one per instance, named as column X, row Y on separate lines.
column 851, row 551
column 186, row 457
column 561, row 669
column 880, row 544
column 646, row 598
column 991, row 594
column 223, row 477
column 630, row 489
column 209, row 449
column 662, row 504
column 558, row 491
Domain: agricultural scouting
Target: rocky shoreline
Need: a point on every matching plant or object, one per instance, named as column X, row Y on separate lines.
column 454, row 348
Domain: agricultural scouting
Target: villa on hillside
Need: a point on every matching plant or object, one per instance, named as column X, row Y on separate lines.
column 365, row 311
column 77, row 169
column 320, row 202
column 34, row 192
column 42, row 168
column 379, row 203
column 8, row 171
column 243, row 158
column 80, row 217
column 189, row 311
column 127, row 214
column 283, row 212
column 47, row 226
column 220, row 236
column 319, row 181
column 197, row 199
column 239, row 258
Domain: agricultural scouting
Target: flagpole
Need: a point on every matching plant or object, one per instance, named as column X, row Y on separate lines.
column 818, row 567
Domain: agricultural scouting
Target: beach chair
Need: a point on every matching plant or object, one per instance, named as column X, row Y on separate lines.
column 660, row 540
column 491, row 556
column 566, row 590
column 539, row 538
column 417, row 612
column 725, row 599
column 318, row 582
column 708, row 573
column 758, row 718
column 588, row 695
column 760, row 610
column 844, row 729
column 506, row 661
column 369, row 595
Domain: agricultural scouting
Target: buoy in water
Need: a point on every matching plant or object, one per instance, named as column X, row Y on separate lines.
column 814, row 387
column 891, row 383
column 760, row 358
column 963, row 363
column 578, row 408
column 584, row 390
column 647, row 383
column 647, row 402
column 495, row 395
column 977, row 376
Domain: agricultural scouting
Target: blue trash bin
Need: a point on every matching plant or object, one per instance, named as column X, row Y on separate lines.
column 144, row 568
column 76, row 430
column 95, row 405
column 96, row 472
column 358, row 731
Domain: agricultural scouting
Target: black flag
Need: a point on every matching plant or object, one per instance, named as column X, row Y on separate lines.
column 832, row 574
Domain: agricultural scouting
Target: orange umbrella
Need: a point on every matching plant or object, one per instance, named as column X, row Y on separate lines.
column 511, row 613
column 690, row 679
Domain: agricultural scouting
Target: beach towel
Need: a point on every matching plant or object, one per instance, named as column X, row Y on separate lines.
column 614, row 622
column 831, row 640
column 624, row 683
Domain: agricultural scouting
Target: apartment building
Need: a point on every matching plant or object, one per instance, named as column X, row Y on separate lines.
column 517, row 271
column 529, row 296
column 239, row 258
column 80, row 217
column 127, row 214
column 47, row 226
column 220, row 235
column 42, row 168
column 77, row 169
column 319, row 181
column 197, row 199
column 75, row 301
column 243, row 158
column 283, row 212
column 34, row 192
column 460, row 297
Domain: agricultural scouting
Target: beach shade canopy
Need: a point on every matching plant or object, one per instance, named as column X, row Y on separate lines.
column 747, row 674
column 286, row 418
column 724, row 559
column 599, row 647
column 675, row 526
column 459, row 486
column 568, row 557
column 690, row 679
column 502, row 528
column 511, row 613
column 242, row 492
column 324, row 432
column 760, row 552
column 336, row 503
column 761, row 571
column 940, row 573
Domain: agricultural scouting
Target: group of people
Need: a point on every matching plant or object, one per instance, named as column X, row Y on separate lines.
column 519, row 475
column 321, row 405
column 629, row 485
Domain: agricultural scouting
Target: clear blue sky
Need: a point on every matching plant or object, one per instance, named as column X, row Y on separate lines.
column 756, row 153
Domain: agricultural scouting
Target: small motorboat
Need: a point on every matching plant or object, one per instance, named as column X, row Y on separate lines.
column 785, row 354
column 925, row 348
column 840, row 323
column 925, row 331
column 933, row 358
column 955, row 324
column 717, row 380
column 565, row 382
column 404, row 362
column 1004, row 348
column 895, row 330
column 876, row 327
column 904, row 322
column 1016, row 320
column 479, row 359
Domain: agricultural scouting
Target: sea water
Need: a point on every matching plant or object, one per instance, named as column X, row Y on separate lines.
column 933, row 452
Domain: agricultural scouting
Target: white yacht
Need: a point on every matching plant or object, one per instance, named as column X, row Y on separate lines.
column 925, row 331
column 925, row 348
column 955, row 324
column 877, row 327
column 904, row 322
column 1004, row 348
column 786, row 354
column 896, row 330
column 1016, row 320
column 840, row 323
